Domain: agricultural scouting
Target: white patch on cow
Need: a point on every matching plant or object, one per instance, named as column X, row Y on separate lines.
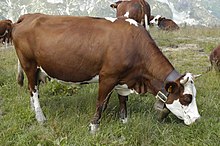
column 132, row 21
column 111, row 19
column 155, row 20
column 125, row 120
column 146, row 22
column 95, row 79
column 123, row 90
column 36, row 105
column 188, row 83
column 20, row 70
column 126, row 14
column 93, row 128
column 187, row 113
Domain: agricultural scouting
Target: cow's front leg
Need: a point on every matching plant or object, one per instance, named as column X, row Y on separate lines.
column 123, row 108
column 105, row 89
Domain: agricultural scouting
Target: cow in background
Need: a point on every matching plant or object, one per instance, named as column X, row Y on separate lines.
column 215, row 58
column 5, row 30
column 139, row 10
column 164, row 24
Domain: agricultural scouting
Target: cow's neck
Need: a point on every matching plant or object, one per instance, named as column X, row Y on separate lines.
column 162, row 71
column 160, row 68
column 155, row 85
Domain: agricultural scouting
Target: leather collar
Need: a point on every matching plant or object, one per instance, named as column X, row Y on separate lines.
column 163, row 94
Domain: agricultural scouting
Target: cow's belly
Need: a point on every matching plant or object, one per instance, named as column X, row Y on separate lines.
column 120, row 89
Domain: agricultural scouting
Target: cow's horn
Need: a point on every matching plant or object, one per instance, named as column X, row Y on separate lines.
column 196, row 76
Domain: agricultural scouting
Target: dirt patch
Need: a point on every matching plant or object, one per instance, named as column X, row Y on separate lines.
column 182, row 47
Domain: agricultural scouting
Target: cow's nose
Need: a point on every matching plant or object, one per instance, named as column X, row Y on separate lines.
column 193, row 120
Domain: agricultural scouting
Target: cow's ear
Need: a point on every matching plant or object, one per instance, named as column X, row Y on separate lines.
column 170, row 87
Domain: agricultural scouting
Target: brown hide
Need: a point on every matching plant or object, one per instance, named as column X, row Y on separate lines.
column 167, row 24
column 5, row 30
column 136, row 8
column 215, row 58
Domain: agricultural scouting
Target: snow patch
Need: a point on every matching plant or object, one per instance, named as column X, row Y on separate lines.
column 180, row 17
column 55, row 1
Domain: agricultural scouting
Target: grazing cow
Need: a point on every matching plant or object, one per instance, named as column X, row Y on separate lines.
column 138, row 10
column 5, row 30
column 164, row 24
column 215, row 58
column 117, row 52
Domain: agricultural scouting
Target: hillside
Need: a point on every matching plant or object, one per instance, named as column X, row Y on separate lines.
column 196, row 12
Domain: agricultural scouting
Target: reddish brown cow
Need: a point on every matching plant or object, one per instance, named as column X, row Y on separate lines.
column 215, row 58
column 5, row 30
column 117, row 52
column 138, row 10
column 164, row 24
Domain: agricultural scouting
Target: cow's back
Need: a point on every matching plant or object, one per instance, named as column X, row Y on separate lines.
column 168, row 24
column 136, row 9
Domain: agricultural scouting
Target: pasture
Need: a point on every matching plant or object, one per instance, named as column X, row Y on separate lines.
column 69, row 108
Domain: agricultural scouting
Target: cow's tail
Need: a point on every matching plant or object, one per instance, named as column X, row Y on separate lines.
column 20, row 77
column 146, row 22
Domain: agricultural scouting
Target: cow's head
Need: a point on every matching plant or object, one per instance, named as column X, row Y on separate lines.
column 181, row 98
column 156, row 20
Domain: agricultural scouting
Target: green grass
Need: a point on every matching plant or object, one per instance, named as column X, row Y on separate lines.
column 69, row 108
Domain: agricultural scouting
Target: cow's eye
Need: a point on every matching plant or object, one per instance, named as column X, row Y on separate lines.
column 188, row 98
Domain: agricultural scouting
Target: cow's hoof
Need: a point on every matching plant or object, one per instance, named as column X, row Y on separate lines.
column 124, row 120
column 40, row 116
column 93, row 128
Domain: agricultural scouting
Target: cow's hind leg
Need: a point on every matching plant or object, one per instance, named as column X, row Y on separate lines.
column 105, row 89
column 31, row 72
column 123, row 108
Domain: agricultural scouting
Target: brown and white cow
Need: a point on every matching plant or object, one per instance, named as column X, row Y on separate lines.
column 164, row 24
column 116, row 52
column 5, row 30
column 139, row 10
column 215, row 58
